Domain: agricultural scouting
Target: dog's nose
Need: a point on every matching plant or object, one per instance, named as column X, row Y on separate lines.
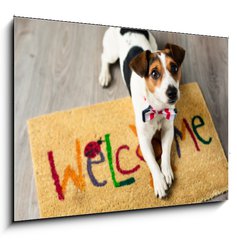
column 172, row 93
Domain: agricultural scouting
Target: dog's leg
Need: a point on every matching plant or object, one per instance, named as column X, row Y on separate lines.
column 159, row 182
column 167, row 135
column 110, row 55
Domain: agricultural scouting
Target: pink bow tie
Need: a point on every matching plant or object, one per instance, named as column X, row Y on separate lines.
column 149, row 113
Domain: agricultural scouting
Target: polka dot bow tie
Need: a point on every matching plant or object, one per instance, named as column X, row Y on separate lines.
column 150, row 113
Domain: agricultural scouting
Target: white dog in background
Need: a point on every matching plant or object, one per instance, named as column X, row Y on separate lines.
column 152, row 77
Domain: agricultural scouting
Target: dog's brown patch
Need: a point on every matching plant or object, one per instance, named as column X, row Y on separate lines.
column 175, row 52
column 169, row 61
column 139, row 64
column 154, row 64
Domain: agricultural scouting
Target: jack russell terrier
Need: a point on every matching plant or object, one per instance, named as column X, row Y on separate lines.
column 152, row 77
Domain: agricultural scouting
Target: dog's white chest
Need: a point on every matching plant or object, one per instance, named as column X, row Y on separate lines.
column 157, row 123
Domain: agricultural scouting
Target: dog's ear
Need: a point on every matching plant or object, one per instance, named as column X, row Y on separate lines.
column 176, row 52
column 140, row 63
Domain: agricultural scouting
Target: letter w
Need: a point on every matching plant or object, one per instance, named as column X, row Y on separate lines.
column 77, row 179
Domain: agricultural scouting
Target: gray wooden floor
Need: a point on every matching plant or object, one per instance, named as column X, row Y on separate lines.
column 56, row 67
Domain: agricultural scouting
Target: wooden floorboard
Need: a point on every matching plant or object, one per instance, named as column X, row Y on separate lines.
column 56, row 67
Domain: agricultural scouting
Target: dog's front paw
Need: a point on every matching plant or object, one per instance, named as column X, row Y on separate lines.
column 104, row 78
column 168, row 173
column 160, row 186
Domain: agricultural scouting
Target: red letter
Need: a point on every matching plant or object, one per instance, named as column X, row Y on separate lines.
column 55, row 176
column 118, row 165
column 185, row 124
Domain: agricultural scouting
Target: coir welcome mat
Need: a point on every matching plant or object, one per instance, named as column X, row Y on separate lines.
column 87, row 160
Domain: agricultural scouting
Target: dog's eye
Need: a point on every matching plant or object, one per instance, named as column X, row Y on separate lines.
column 173, row 68
column 155, row 74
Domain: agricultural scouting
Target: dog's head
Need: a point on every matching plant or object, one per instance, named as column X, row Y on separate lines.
column 161, row 71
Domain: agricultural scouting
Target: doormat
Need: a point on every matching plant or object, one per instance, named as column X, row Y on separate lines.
column 87, row 160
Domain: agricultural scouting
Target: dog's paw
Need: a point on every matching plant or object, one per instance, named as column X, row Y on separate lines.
column 168, row 174
column 160, row 186
column 104, row 78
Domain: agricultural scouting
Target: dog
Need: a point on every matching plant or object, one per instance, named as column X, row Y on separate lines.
column 152, row 77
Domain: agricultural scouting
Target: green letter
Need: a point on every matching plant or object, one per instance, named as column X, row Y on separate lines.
column 200, row 124
column 111, row 168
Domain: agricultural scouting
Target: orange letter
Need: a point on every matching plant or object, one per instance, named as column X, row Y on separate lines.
column 77, row 179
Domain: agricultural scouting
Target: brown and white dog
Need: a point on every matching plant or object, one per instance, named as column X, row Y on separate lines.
column 152, row 77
